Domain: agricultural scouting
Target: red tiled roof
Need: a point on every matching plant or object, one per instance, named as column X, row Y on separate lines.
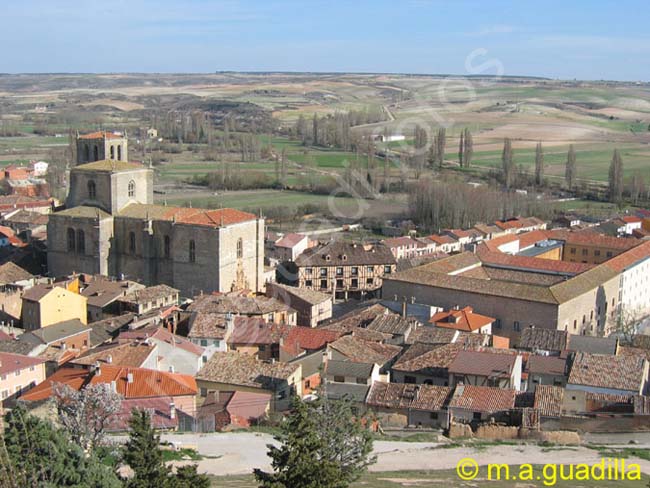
column 483, row 364
column 255, row 330
column 482, row 398
column 631, row 219
column 443, row 239
column 548, row 400
column 594, row 239
column 531, row 263
column 463, row 319
column 100, row 135
column 407, row 396
column 224, row 216
column 494, row 244
column 306, row 338
column 146, row 382
column 626, row 259
column 605, row 371
column 528, row 239
column 162, row 334
column 10, row 362
column 290, row 240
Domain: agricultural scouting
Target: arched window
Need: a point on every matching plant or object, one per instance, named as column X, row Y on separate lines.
column 71, row 239
column 192, row 252
column 167, row 247
column 92, row 189
column 132, row 242
column 86, row 153
column 131, row 188
column 96, row 153
column 240, row 248
column 81, row 242
column 112, row 152
column 119, row 153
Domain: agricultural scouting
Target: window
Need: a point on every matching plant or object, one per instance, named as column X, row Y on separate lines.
column 387, row 269
column 323, row 271
column 354, row 271
column 96, row 153
column 132, row 242
column 5, row 394
column 119, row 153
column 81, row 242
column 240, row 248
column 323, row 283
column 17, row 373
column 585, row 252
column 308, row 283
column 167, row 247
column 204, row 343
column 355, row 283
column 597, row 252
column 216, row 343
column 370, row 269
column 131, row 189
column 269, row 317
column 92, row 189
column 411, row 380
column 370, row 281
column 339, row 283
column 476, row 416
column 339, row 379
column 261, row 348
column 112, row 151
column 517, row 326
column 433, row 415
column 308, row 271
column 428, row 382
column 339, row 271
column 575, row 324
column 609, row 254
column 497, row 323
column 307, row 384
column 71, row 241
column 192, row 249
column 573, row 250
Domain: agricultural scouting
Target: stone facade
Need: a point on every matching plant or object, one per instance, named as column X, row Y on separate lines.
column 110, row 227
column 102, row 145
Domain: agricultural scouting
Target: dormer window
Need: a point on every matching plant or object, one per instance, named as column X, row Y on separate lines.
column 328, row 257
column 344, row 257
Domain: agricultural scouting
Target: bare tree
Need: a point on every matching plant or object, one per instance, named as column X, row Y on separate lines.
column 84, row 413
column 441, row 141
column 461, row 149
column 627, row 325
column 468, row 149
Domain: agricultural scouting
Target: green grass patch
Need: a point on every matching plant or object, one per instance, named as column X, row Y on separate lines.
column 181, row 455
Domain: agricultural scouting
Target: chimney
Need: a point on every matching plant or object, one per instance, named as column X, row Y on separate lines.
column 96, row 370
column 230, row 324
column 404, row 307
column 129, row 378
column 109, row 359
column 172, row 411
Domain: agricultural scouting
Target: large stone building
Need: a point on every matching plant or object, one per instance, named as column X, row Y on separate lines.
column 98, row 146
column 111, row 227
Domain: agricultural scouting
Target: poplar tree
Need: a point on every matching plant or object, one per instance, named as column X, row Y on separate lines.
column 507, row 162
column 539, row 164
column 570, row 170
column 616, row 178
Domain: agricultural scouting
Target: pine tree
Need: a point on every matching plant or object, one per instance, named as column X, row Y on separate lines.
column 616, row 178
column 539, row 164
column 570, row 169
column 461, row 148
column 298, row 461
column 142, row 453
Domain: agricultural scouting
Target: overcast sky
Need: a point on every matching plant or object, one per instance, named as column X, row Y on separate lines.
column 568, row 39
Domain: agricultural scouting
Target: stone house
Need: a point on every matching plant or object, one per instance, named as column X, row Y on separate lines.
column 312, row 307
column 43, row 305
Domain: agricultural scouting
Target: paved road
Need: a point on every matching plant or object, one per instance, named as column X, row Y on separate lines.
column 231, row 454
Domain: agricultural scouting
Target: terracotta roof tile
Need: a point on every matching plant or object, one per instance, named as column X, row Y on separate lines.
column 10, row 362
column 482, row 399
column 180, row 215
column 462, row 319
column 604, row 371
column 307, row 339
column 402, row 396
column 234, row 368
column 482, row 363
column 362, row 351
column 548, row 400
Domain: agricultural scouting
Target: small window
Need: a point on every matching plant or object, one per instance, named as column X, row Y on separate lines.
column 370, row 269
column 411, row 380
column 192, row 251
column 240, row 248
column 433, row 415
column 132, row 242
column 387, row 269
column 71, row 240
column 308, row 283
column 339, row 283
column 92, row 189
column 323, row 271
column 81, row 242
column 573, row 250
column 323, row 284
column 119, row 153
column 476, row 416
column 308, row 271
column 131, row 189
column 597, row 252
column 609, row 254
column 339, row 271
column 370, row 281
column 497, row 323
column 167, row 247
column 112, row 151
column 354, row 271
column 517, row 326
column 204, row 343
column 339, row 379
column 355, row 283
column 585, row 252
column 216, row 343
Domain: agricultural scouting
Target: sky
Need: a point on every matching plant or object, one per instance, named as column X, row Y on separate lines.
column 568, row 39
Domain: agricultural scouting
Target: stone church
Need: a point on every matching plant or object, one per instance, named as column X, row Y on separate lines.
column 110, row 226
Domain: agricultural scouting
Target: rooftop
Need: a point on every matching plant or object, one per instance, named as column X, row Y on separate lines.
column 348, row 368
column 285, row 294
column 425, row 359
column 405, row 396
column 548, row 400
column 482, row 398
column 540, row 339
column 103, row 134
column 592, row 344
column 346, row 254
column 56, row 332
column 234, row 368
column 461, row 319
column 290, row 240
column 236, row 304
column 207, row 325
column 482, row 363
column 110, row 166
column 308, row 339
column 10, row 362
column 255, row 330
column 605, row 371
column 129, row 382
column 149, row 294
column 11, row 273
column 363, row 351
column 550, row 365
column 160, row 333
column 130, row 354
column 181, row 215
